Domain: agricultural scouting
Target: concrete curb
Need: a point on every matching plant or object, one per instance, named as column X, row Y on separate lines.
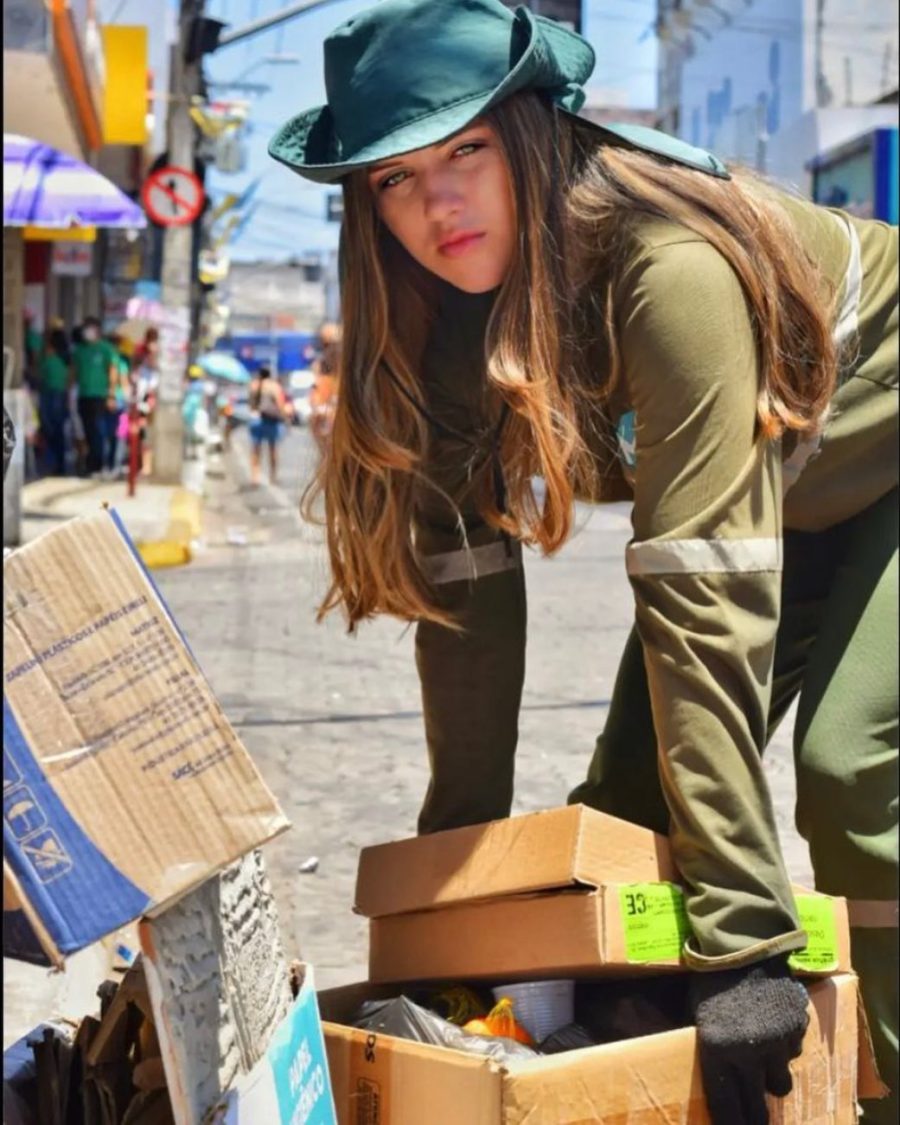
column 163, row 521
column 185, row 522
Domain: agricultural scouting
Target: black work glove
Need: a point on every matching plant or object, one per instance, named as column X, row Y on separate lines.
column 750, row 1024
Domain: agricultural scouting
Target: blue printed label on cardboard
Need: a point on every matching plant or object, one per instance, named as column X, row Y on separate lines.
column 300, row 1068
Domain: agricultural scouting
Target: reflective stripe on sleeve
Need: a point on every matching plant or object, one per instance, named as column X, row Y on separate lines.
column 472, row 563
column 804, row 451
column 703, row 556
column 846, row 326
column 848, row 317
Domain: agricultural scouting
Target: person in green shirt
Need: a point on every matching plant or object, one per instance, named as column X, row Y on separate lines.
column 53, row 383
column 116, row 406
column 33, row 342
column 96, row 371
column 527, row 294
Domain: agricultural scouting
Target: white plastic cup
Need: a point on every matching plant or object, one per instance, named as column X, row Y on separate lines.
column 540, row 1006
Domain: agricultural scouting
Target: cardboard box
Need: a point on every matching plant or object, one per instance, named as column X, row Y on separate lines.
column 654, row 1080
column 291, row 1083
column 557, row 893
column 567, row 847
column 124, row 785
column 615, row 929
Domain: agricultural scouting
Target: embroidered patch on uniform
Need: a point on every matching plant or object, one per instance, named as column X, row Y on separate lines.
column 625, row 435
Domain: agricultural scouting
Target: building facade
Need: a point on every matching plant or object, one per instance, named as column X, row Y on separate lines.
column 773, row 83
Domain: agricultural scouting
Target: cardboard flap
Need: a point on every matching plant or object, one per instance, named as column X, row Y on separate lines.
column 541, row 851
column 124, row 784
column 380, row 1079
column 869, row 1083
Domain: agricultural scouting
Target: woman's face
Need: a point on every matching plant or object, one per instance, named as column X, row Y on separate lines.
column 451, row 206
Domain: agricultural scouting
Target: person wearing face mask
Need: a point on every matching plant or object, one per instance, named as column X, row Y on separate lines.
column 528, row 294
column 95, row 367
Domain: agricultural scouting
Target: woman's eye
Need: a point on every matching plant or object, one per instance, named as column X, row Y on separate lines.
column 392, row 180
column 468, row 148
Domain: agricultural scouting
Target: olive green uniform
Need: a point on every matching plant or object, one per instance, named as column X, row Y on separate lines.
column 759, row 570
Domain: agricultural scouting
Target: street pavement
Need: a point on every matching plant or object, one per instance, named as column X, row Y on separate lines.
column 334, row 722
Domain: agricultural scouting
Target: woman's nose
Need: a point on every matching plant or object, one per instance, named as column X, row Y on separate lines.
column 442, row 198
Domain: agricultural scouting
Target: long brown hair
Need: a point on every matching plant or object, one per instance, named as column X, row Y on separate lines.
column 576, row 202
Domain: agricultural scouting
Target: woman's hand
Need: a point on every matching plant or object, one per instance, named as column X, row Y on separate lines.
column 750, row 1024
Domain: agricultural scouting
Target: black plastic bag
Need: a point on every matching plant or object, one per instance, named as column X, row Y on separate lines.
column 570, row 1037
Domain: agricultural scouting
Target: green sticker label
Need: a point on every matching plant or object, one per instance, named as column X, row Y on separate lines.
column 816, row 913
column 654, row 920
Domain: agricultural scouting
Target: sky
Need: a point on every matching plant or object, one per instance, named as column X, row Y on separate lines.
column 290, row 218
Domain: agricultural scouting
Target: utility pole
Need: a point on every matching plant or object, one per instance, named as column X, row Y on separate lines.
column 177, row 261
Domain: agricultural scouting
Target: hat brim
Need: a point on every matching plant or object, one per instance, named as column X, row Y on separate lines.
column 308, row 144
column 310, row 132
column 644, row 139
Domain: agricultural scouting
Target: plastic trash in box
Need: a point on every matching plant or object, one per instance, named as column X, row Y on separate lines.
column 406, row 1020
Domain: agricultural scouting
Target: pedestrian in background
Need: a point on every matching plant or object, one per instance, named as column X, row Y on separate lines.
column 96, row 372
column 146, row 364
column 324, row 394
column 33, row 341
column 116, row 418
column 267, row 405
column 528, row 294
column 53, row 382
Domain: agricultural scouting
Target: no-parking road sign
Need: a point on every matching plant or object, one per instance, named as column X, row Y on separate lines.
column 172, row 196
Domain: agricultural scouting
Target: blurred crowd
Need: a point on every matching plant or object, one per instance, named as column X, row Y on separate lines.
column 93, row 396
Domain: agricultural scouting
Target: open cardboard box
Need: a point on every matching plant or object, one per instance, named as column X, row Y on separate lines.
column 124, row 784
column 653, row 1080
column 554, row 893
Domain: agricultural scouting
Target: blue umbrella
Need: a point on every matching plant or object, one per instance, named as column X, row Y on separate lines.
column 44, row 187
column 224, row 366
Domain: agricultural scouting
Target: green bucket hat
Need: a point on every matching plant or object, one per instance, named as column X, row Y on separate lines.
column 405, row 74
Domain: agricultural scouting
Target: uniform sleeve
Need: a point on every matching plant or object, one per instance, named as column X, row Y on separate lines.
column 471, row 680
column 705, row 567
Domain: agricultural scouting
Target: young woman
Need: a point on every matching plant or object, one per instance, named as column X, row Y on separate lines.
column 525, row 294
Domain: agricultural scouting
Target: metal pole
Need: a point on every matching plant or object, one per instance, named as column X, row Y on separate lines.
column 177, row 282
column 265, row 22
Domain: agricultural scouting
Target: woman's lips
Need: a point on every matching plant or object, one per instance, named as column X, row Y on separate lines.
column 460, row 244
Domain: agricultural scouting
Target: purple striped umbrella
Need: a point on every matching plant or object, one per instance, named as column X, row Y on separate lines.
column 44, row 187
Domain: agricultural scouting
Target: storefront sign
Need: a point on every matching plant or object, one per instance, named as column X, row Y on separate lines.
column 72, row 259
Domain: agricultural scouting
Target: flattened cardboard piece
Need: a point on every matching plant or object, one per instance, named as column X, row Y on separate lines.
column 614, row 929
column 124, row 785
column 565, row 847
column 652, row 1080
column 292, row 1082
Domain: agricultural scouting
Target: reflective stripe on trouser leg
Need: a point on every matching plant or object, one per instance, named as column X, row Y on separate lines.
column 471, row 563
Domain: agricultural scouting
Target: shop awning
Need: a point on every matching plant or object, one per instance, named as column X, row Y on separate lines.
column 43, row 187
